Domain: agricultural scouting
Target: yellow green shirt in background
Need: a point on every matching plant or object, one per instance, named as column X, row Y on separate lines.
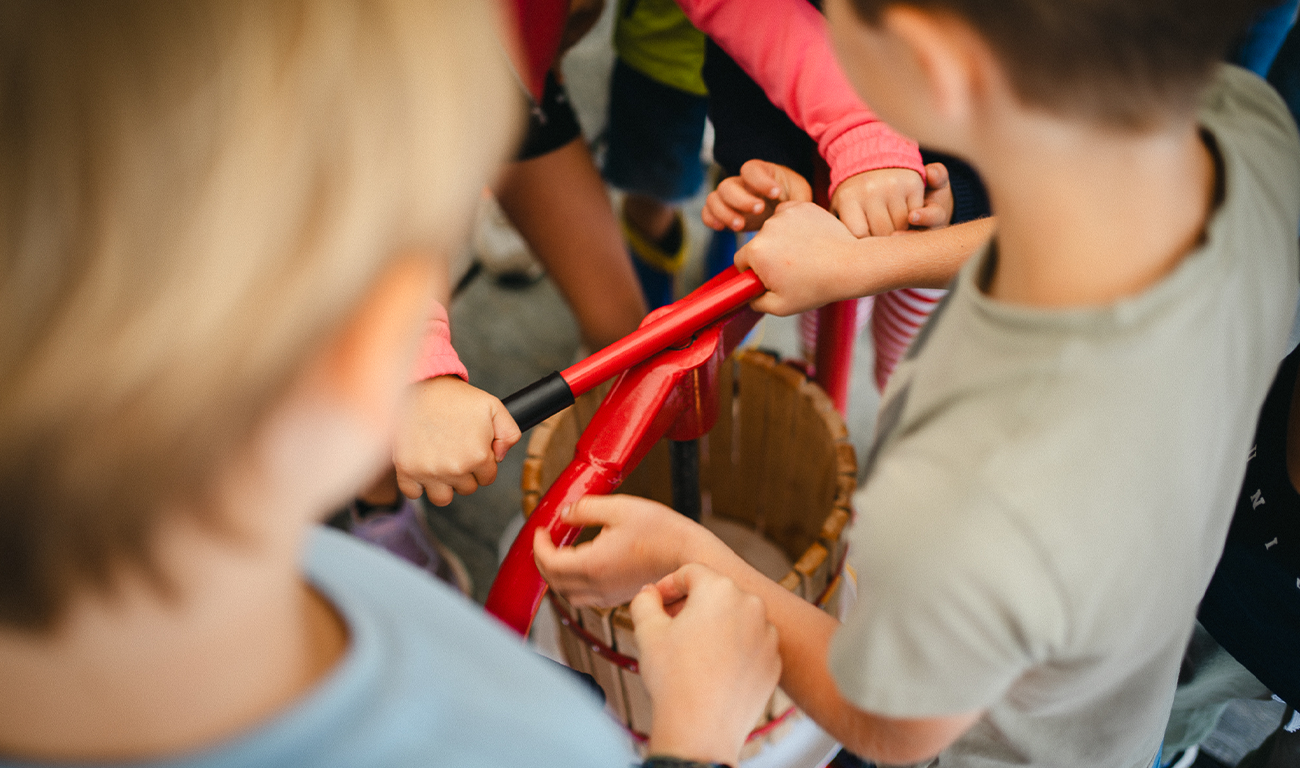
column 656, row 39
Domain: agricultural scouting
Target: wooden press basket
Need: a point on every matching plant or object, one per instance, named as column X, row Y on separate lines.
column 778, row 462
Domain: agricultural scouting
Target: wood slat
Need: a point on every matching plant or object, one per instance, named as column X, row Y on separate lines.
column 639, row 709
column 756, row 396
column 785, row 465
column 597, row 622
column 576, row 652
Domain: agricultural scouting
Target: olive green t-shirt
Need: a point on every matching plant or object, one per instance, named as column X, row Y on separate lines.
column 1050, row 489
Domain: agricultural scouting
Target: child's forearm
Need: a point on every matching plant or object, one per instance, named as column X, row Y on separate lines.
column 926, row 259
column 807, row 259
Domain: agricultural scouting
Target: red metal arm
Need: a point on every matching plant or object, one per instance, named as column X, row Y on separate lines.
column 663, row 328
column 672, row 393
column 722, row 294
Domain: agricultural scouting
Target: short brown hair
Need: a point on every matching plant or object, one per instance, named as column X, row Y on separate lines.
column 193, row 197
column 1125, row 63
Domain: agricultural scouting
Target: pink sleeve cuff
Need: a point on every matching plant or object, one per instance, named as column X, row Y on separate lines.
column 437, row 358
column 870, row 147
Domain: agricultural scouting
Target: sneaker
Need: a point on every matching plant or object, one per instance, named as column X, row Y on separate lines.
column 657, row 263
column 500, row 249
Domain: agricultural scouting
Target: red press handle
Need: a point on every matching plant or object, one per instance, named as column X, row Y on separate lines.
column 666, row 327
column 727, row 292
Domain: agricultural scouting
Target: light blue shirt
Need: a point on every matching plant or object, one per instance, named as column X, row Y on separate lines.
column 428, row 680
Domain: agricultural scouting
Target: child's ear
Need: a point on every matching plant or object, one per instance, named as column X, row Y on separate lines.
column 368, row 363
column 945, row 50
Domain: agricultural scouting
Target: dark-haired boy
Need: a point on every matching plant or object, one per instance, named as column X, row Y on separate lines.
column 1057, row 457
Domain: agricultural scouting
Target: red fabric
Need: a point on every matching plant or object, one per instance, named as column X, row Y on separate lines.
column 437, row 358
column 785, row 46
column 539, row 24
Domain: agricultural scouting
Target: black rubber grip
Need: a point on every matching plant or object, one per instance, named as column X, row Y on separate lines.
column 539, row 401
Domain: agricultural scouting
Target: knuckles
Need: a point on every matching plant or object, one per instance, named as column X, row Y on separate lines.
column 464, row 464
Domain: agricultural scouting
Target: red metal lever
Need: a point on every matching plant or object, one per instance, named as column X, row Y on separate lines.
column 674, row 394
column 729, row 291
column 665, row 327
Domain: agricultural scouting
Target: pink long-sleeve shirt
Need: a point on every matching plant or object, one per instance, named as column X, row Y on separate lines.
column 437, row 358
column 784, row 45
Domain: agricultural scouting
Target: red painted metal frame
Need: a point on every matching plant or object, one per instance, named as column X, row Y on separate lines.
column 668, row 394
column 833, row 366
column 671, row 394
column 666, row 327
column 836, row 323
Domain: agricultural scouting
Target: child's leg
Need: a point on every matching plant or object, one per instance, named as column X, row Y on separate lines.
column 558, row 203
column 654, row 135
column 555, row 198
column 895, row 320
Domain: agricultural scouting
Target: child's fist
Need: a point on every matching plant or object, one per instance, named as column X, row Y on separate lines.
column 937, row 211
column 709, row 665
column 744, row 202
column 800, row 255
column 451, row 439
column 878, row 202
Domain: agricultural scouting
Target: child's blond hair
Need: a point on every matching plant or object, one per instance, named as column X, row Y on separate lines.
column 192, row 197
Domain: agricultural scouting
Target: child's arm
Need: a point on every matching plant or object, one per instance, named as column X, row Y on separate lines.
column 788, row 52
column 453, row 434
column 807, row 259
column 642, row 540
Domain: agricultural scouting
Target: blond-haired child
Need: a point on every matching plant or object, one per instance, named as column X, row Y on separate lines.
column 221, row 224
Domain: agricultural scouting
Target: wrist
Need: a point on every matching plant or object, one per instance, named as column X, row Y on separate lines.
column 684, row 740
column 699, row 545
column 846, row 261
column 664, row 761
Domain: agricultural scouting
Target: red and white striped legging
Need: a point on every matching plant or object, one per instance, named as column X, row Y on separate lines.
column 895, row 318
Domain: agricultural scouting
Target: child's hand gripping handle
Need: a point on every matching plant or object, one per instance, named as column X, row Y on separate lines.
column 539, row 401
column 724, row 294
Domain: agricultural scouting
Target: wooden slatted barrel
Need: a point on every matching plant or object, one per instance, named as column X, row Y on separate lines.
column 776, row 472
